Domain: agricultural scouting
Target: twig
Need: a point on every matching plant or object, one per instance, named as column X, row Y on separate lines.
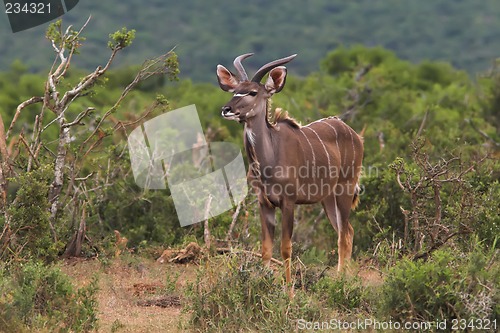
column 79, row 118
column 121, row 125
column 23, row 141
column 482, row 133
column 436, row 245
column 3, row 141
column 381, row 142
column 85, row 178
column 143, row 74
column 422, row 124
column 5, row 171
column 319, row 217
column 412, row 307
column 20, row 107
column 222, row 250
column 362, row 72
column 206, row 231
column 398, row 179
column 233, row 222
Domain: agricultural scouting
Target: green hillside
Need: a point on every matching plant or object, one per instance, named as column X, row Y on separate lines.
column 464, row 33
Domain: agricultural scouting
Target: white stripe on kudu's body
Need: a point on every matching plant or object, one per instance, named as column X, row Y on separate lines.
column 336, row 135
column 310, row 145
column 322, row 143
column 275, row 146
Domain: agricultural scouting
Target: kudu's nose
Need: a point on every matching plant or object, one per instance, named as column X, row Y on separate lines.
column 226, row 109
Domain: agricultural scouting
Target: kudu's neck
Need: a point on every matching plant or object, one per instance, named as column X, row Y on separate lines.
column 258, row 135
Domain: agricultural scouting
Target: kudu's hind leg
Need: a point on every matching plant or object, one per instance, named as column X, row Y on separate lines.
column 330, row 205
column 346, row 232
column 268, row 223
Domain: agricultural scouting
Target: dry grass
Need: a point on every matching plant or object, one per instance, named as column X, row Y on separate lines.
column 134, row 297
column 127, row 285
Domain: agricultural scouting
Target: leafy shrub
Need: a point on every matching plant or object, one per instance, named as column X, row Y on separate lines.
column 445, row 287
column 35, row 297
column 29, row 222
column 341, row 291
column 488, row 211
column 312, row 255
column 239, row 294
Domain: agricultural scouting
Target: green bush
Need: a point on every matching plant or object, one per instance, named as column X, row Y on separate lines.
column 35, row 297
column 445, row 287
column 238, row 294
column 29, row 222
column 341, row 292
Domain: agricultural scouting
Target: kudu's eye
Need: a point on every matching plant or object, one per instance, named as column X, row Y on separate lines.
column 252, row 93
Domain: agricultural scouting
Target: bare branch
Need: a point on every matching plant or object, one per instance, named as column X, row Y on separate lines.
column 79, row 118
column 398, row 179
column 20, row 107
column 422, row 125
column 121, row 125
column 438, row 244
column 25, row 143
column 84, row 84
column 143, row 74
column 3, row 141
column 85, row 178
column 4, row 169
column 222, row 250
column 233, row 222
column 482, row 133
column 362, row 72
column 206, row 232
column 438, row 206
column 381, row 142
column 85, row 24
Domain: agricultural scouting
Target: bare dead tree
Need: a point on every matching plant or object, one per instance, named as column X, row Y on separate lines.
column 57, row 99
column 426, row 224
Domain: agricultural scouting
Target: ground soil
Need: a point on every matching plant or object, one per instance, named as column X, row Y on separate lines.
column 134, row 293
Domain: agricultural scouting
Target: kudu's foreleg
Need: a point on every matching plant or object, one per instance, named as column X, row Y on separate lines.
column 287, row 211
column 268, row 223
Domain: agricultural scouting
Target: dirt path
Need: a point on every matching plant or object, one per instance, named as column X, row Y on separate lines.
column 126, row 283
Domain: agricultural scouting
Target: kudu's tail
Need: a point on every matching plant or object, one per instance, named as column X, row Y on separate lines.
column 355, row 199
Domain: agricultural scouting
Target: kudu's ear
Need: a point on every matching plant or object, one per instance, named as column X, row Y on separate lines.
column 276, row 80
column 227, row 80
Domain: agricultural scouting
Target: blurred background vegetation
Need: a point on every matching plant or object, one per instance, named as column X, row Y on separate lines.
column 419, row 80
column 461, row 32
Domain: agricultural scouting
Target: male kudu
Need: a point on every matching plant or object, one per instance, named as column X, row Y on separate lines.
column 292, row 164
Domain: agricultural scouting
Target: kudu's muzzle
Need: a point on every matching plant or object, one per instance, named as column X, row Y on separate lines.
column 229, row 113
